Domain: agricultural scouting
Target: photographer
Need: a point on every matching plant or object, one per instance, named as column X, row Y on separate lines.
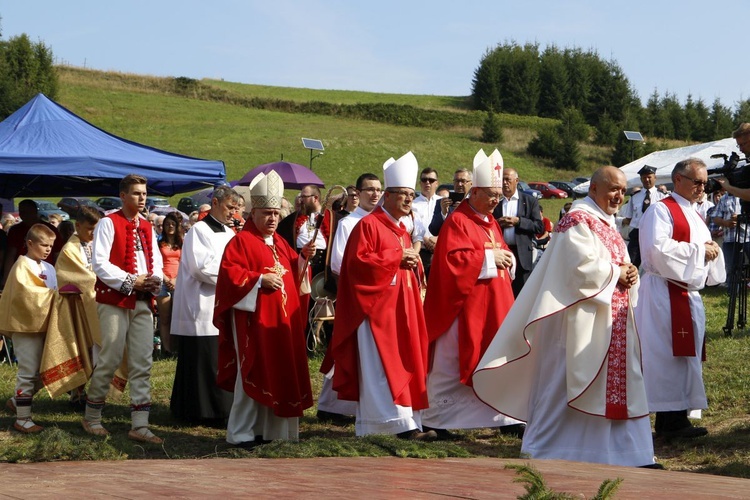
column 742, row 136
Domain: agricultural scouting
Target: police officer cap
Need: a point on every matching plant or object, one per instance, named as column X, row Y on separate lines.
column 647, row 170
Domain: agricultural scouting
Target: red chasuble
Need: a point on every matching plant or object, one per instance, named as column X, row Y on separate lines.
column 374, row 287
column 454, row 289
column 271, row 339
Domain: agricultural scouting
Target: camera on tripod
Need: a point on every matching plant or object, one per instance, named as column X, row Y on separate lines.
column 737, row 177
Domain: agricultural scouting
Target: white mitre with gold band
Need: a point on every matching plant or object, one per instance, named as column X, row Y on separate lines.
column 267, row 190
column 402, row 172
column 488, row 170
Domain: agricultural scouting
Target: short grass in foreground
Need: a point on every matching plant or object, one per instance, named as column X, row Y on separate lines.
column 725, row 451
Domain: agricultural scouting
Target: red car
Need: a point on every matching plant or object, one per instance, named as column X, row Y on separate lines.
column 548, row 190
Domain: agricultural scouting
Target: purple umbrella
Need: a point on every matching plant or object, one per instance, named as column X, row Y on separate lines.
column 294, row 176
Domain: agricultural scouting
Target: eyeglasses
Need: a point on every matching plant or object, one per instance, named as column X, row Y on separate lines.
column 461, row 181
column 428, row 179
column 352, row 195
column 696, row 182
column 407, row 194
column 492, row 196
column 371, row 190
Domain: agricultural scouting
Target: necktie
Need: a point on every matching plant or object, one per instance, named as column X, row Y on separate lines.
column 646, row 201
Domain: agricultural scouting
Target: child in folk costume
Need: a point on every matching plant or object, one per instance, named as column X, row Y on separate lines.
column 25, row 308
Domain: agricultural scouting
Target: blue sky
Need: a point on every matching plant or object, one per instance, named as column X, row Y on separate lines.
column 409, row 47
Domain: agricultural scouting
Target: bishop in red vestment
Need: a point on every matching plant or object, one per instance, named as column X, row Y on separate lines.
column 469, row 294
column 262, row 354
column 379, row 331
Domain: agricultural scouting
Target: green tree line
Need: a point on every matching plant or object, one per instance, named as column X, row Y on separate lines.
column 572, row 84
column 26, row 69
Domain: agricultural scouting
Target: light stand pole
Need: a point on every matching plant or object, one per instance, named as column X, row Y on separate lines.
column 633, row 136
column 313, row 145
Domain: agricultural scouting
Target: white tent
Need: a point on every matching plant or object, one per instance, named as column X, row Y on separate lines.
column 664, row 161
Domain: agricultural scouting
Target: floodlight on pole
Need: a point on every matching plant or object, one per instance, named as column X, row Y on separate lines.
column 633, row 136
column 313, row 145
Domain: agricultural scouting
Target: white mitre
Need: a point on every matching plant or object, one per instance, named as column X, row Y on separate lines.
column 402, row 172
column 267, row 190
column 488, row 172
column 386, row 164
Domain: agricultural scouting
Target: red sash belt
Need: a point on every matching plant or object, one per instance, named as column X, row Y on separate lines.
column 683, row 336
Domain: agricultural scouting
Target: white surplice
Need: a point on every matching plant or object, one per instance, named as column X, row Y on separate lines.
column 673, row 383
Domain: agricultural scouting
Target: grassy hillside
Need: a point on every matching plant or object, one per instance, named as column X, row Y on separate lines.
column 149, row 110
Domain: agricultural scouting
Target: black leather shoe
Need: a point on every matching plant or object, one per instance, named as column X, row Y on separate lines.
column 442, row 434
column 684, row 433
column 417, row 435
column 247, row 445
column 652, row 466
column 334, row 418
column 516, row 430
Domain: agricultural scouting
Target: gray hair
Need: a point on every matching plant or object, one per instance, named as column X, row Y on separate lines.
column 221, row 193
column 683, row 166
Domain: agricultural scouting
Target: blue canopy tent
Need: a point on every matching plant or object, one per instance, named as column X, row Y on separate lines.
column 46, row 150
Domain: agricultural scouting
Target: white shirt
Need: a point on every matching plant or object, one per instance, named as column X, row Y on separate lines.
column 45, row 271
column 633, row 209
column 306, row 230
column 510, row 209
column 424, row 207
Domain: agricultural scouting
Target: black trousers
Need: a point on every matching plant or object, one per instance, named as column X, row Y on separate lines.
column 667, row 421
column 634, row 249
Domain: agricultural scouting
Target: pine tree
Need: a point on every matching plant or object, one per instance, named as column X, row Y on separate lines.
column 492, row 133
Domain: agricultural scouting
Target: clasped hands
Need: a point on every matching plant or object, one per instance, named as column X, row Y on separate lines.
column 503, row 258
column 147, row 283
column 712, row 250
column 409, row 259
column 628, row 275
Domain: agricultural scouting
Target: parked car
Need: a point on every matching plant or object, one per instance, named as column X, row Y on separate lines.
column 187, row 205
column 581, row 189
column 526, row 189
column 565, row 186
column 580, row 180
column 72, row 205
column 156, row 201
column 108, row 203
column 47, row 208
column 548, row 190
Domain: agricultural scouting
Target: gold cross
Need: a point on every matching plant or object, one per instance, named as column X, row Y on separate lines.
column 279, row 271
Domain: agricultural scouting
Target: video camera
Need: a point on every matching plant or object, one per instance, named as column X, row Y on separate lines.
column 737, row 177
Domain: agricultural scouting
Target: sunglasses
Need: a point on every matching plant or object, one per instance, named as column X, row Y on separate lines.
column 428, row 179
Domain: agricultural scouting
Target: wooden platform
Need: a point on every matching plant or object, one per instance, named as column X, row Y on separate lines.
column 361, row 478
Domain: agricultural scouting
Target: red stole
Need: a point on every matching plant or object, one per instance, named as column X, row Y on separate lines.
column 616, row 404
column 683, row 336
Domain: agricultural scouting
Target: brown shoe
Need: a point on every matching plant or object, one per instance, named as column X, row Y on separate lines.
column 94, row 429
column 24, row 428
column 143, row 435
column 10, row 405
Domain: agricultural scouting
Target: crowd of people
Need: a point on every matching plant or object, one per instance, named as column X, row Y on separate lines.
column 457, row 307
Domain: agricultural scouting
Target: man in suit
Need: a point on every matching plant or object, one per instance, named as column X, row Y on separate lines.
column 461, row 184
column 520, row 218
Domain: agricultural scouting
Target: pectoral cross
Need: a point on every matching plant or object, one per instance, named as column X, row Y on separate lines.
column 279, row 271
